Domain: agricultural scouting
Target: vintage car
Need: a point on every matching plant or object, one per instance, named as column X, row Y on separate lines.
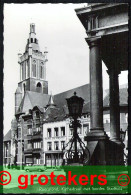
column 35, row 168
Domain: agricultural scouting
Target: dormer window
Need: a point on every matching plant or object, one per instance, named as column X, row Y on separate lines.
column 37, row 114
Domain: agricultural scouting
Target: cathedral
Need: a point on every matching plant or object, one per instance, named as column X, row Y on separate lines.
column 41, row 127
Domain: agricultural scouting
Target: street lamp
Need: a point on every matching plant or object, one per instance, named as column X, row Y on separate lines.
column 81, row 154
column 75, row 106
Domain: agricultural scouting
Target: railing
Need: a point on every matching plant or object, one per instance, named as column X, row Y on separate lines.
column 28, row 151
column 37, row 135
column 36, row 150
column 37, row 132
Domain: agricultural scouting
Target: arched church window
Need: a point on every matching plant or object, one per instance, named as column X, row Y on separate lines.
column 24, row 89
column 41, row 70
column 23, row 71
column 34, row 68
column 39, row 87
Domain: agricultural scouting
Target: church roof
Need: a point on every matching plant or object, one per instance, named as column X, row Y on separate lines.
column 7, row 137
column 32, row 99
column 18, row 90
column 82, row 91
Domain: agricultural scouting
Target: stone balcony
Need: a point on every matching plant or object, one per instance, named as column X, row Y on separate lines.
column 37, row 135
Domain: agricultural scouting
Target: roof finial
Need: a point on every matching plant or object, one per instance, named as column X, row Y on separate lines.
column 51, row 99
column 75, row 93
column 32, row 28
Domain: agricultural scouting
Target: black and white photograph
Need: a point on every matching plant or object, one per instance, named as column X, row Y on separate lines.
column 65, row 86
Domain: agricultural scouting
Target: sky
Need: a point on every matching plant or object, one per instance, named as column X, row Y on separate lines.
column 57, row 28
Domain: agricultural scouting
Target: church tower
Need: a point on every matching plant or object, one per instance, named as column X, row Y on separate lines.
column 32, row 69
column 33, row 66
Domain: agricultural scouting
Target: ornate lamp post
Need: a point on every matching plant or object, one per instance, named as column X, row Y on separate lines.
column 75, row 155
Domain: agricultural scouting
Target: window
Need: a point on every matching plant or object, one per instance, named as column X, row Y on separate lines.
column 71, row 131
column 62, row 131
column 86, row 129
column 38, row 129
column 41, row 71
column 38, row 161
column 23, row 71
column 79, row 131
column 49, row 146
column 37, row 114
column 39, row 87
column 28, row 72
column 24, row 87
column 31, row 40
column 29, row 144
column 29, row 131
column 34, row 69
column 56, row 145
column 62, row 145
column 56, row 132
column 48, row 132
column 37, row 145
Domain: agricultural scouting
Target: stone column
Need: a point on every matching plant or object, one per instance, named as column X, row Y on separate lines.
column 96, row 88
column 114, row 105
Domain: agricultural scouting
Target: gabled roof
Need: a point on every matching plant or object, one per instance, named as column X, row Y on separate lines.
column 7, row 137
column 32, row 99
column 53, row 114
column 82, row 91
column 38, row 108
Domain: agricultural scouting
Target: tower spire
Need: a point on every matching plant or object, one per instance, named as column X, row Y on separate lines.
column 32, row 28
column 51, row 102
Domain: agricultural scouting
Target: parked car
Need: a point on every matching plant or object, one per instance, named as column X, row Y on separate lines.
column 35, row 168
